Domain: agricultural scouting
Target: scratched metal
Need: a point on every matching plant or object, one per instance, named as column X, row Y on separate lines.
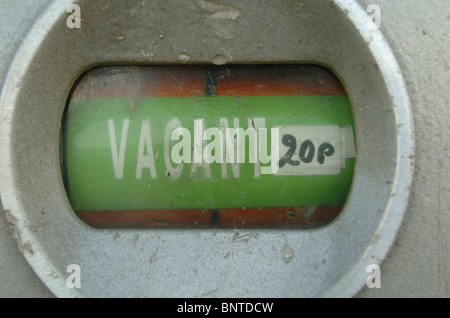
column 327, row 261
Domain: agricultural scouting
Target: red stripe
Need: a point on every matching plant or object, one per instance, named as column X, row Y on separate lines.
column 308, row 80
column 297, row 217
column 280, row 217
column 154, row 81
column 147, row 218
column 184, row 81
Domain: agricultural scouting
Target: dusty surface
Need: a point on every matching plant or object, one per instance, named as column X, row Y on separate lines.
column 418, row 263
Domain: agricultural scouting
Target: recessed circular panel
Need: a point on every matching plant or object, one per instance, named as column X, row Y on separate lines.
column 328, row 261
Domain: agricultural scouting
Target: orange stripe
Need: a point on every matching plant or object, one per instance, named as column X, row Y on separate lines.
column 147, row 218
column 152, row 81
column 298, row 217
column 169, row 81
column 282, row 80
column 179, row 81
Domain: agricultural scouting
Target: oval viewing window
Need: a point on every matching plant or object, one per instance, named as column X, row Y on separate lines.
column 240, row 146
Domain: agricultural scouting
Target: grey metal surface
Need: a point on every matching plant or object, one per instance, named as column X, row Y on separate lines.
column 17, row 279
column 424, row 228
column 418, row 264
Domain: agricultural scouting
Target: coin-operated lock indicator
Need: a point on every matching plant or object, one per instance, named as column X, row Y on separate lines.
column 237, row 146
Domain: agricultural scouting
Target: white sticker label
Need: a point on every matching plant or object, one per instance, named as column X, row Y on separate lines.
column 314, row 150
